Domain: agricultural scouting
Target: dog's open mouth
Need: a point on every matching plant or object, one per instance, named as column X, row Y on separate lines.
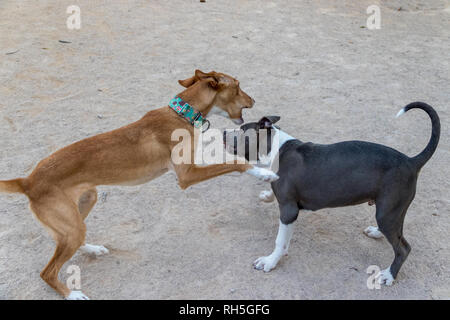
column 238, row 121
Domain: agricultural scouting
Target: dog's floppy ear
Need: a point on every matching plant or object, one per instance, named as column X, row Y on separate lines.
column 268, row 121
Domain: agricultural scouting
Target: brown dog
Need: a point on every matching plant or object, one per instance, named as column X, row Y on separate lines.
column 61, row 189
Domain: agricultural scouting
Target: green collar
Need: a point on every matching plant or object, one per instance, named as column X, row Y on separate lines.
column 187, row 112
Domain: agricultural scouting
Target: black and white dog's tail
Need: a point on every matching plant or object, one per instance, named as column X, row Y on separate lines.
column 426, row 154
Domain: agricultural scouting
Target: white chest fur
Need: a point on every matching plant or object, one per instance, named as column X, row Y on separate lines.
column 271, row 160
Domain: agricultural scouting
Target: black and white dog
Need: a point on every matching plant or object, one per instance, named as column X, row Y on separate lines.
column 315, row 176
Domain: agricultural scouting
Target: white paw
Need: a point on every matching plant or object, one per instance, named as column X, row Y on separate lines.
column 385, row 277
column 263, row 174
column 92, row 249
column 266, row 196
column 265, row 263
column 373, row 232
column 77, row 295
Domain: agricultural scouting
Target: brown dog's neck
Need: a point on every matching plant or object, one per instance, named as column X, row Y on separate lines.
column 200, row 96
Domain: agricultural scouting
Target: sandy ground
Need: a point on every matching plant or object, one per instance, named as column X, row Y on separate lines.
column 312, row 62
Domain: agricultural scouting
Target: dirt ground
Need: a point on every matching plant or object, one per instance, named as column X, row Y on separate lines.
column 314, row 63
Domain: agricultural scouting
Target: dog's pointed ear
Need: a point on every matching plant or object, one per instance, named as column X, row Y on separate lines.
column 268, row 121
column 187, row 82
column 198, row 75
column 203, row 75
column 213, row 78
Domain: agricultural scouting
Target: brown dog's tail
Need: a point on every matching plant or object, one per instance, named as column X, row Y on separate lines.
column 11, row 186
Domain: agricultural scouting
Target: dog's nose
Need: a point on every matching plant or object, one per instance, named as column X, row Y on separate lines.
column 251, row 104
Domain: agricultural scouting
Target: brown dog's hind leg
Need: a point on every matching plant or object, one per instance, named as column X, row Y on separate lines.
column 60, row 215
column 86, row 202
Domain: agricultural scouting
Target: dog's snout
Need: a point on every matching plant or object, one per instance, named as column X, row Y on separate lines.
column 251, row 103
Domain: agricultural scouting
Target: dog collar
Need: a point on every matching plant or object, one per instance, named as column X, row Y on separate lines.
column 189, row 113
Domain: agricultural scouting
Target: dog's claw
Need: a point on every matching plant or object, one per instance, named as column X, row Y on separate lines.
column 94, row 250
column 271, row 177
column 373, row 232
column 266, row 196
column 102, row 250
column 263, row 174
column 264, row 263
column 385, row 277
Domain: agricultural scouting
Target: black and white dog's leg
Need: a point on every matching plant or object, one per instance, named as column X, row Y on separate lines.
column 269, row 262
column 263, row 174
column 288, row 215
column 289, row 237
column 266, row 196
column 373, row 232
column 390, row 216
